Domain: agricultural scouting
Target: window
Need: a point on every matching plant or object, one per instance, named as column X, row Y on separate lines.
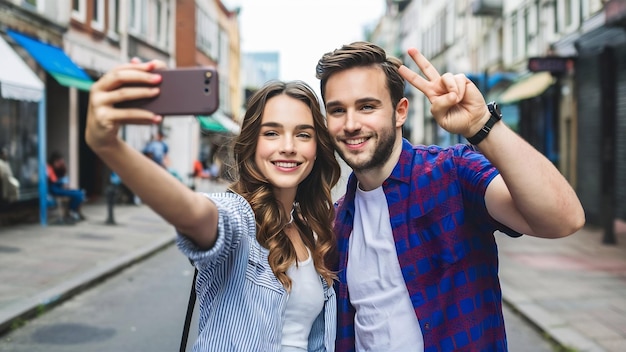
column 514, row 37
column 526, row 30
column 79, row 10
column 137, row 17
column 159, row 21
column 97, row 15
column 162, row 22
column 36, row 5
column 591, row 7
column 568, row 12
column 206, row 33
column 21, row 135
column 114, row 24
column 449, row 24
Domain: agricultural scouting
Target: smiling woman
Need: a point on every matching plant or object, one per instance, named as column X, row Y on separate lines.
column 263, row 250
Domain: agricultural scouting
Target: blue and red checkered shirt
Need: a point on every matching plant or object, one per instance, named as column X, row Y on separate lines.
column 445, row 245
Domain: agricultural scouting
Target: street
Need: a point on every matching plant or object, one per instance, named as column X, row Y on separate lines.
column 140, row 309
column 143, row 309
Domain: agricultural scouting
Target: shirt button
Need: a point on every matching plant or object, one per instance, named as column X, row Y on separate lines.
column 427, row 326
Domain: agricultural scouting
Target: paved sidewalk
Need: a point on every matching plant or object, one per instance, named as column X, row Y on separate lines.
column 42, row 266
column 574, row 289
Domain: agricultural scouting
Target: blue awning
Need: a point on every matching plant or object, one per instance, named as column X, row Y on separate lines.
column 54, row 61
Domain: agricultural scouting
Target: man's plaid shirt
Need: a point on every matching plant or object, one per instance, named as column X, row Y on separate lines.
column 445, row 244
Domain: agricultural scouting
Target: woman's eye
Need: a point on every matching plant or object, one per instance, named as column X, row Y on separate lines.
column 270, row 133
column 304, row 135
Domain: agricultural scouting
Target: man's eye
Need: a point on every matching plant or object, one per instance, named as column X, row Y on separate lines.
column 337, row 111
column 367, row 107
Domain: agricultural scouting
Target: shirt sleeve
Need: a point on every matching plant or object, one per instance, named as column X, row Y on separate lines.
column 235, row 220
column 475, row 174
column 51, row 175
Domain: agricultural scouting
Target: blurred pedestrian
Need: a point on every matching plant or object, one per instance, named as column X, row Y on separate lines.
column 58, row 185
column 9, row 185
column 157, row 149
column 261, row 249
column 418, row 264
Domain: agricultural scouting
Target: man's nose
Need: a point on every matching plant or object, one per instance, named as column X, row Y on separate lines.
column 352, row 123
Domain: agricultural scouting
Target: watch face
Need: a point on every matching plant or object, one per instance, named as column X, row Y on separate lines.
column 494, row 109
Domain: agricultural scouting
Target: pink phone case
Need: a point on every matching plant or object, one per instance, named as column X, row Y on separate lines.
column 184, row 91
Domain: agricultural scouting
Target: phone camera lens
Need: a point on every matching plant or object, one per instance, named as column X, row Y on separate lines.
column 207, row 81
column 206, row 90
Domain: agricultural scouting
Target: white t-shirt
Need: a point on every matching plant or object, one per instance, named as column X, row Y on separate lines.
column 385, row 319
column 306, row 301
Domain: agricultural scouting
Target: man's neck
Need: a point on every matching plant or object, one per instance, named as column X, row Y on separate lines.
column 373, row 178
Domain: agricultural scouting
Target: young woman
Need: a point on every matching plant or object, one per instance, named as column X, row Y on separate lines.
column 262, row 248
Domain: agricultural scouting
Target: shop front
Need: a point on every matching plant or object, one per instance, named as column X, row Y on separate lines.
column 22, row 124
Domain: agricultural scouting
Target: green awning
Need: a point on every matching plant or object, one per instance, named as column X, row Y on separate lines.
column 219, row 122
column 69, row 81
column 208, row 123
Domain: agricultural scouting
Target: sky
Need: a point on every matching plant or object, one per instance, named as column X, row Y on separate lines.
column 303, row 30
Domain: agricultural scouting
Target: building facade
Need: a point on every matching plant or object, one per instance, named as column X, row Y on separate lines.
column 556, row 67
column 67, row 45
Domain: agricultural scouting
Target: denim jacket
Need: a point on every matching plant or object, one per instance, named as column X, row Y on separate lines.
column 242, row 303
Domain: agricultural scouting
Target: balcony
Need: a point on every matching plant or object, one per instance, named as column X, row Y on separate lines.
column 487, row 8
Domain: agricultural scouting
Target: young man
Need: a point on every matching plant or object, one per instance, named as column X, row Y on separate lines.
column 58, row 186
column 418, row 266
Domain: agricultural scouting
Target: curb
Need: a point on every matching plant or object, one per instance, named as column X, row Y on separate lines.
column 554, row 329
column 31, row 306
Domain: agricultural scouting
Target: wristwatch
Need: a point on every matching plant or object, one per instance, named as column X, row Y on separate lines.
column 496, row 115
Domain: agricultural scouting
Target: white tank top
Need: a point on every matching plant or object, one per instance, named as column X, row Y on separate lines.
column 306, row 301
column 385, row 319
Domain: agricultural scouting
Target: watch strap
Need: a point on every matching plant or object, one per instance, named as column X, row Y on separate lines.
column 494, row 117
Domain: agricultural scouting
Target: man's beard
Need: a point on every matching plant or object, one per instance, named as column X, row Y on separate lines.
column 382, row 151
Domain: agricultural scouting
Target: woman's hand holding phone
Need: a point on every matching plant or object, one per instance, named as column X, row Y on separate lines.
column 166, row 195
column 132, row 81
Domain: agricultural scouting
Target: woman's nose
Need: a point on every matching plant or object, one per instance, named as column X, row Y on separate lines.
column 288, row 146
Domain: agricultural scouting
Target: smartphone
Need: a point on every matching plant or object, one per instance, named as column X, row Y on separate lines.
column 184, row 91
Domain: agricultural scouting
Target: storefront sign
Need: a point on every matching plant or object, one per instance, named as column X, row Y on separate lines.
column 551, row 64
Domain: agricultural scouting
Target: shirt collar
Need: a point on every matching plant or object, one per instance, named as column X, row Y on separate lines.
column 402, row 171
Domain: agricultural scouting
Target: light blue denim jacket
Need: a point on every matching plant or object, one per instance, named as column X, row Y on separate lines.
column 242, row 304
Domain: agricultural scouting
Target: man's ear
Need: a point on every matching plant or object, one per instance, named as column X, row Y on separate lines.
column 402, row 111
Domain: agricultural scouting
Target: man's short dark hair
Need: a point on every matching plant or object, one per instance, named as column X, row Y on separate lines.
column 54, row 156
column 361, row 54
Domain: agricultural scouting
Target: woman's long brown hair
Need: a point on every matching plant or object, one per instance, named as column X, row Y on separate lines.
column 315, row 211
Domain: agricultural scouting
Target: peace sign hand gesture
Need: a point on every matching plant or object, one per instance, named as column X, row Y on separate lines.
column 456, row 103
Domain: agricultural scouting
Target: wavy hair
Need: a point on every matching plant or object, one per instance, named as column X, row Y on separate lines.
column 314, row 211
column 361, row 54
